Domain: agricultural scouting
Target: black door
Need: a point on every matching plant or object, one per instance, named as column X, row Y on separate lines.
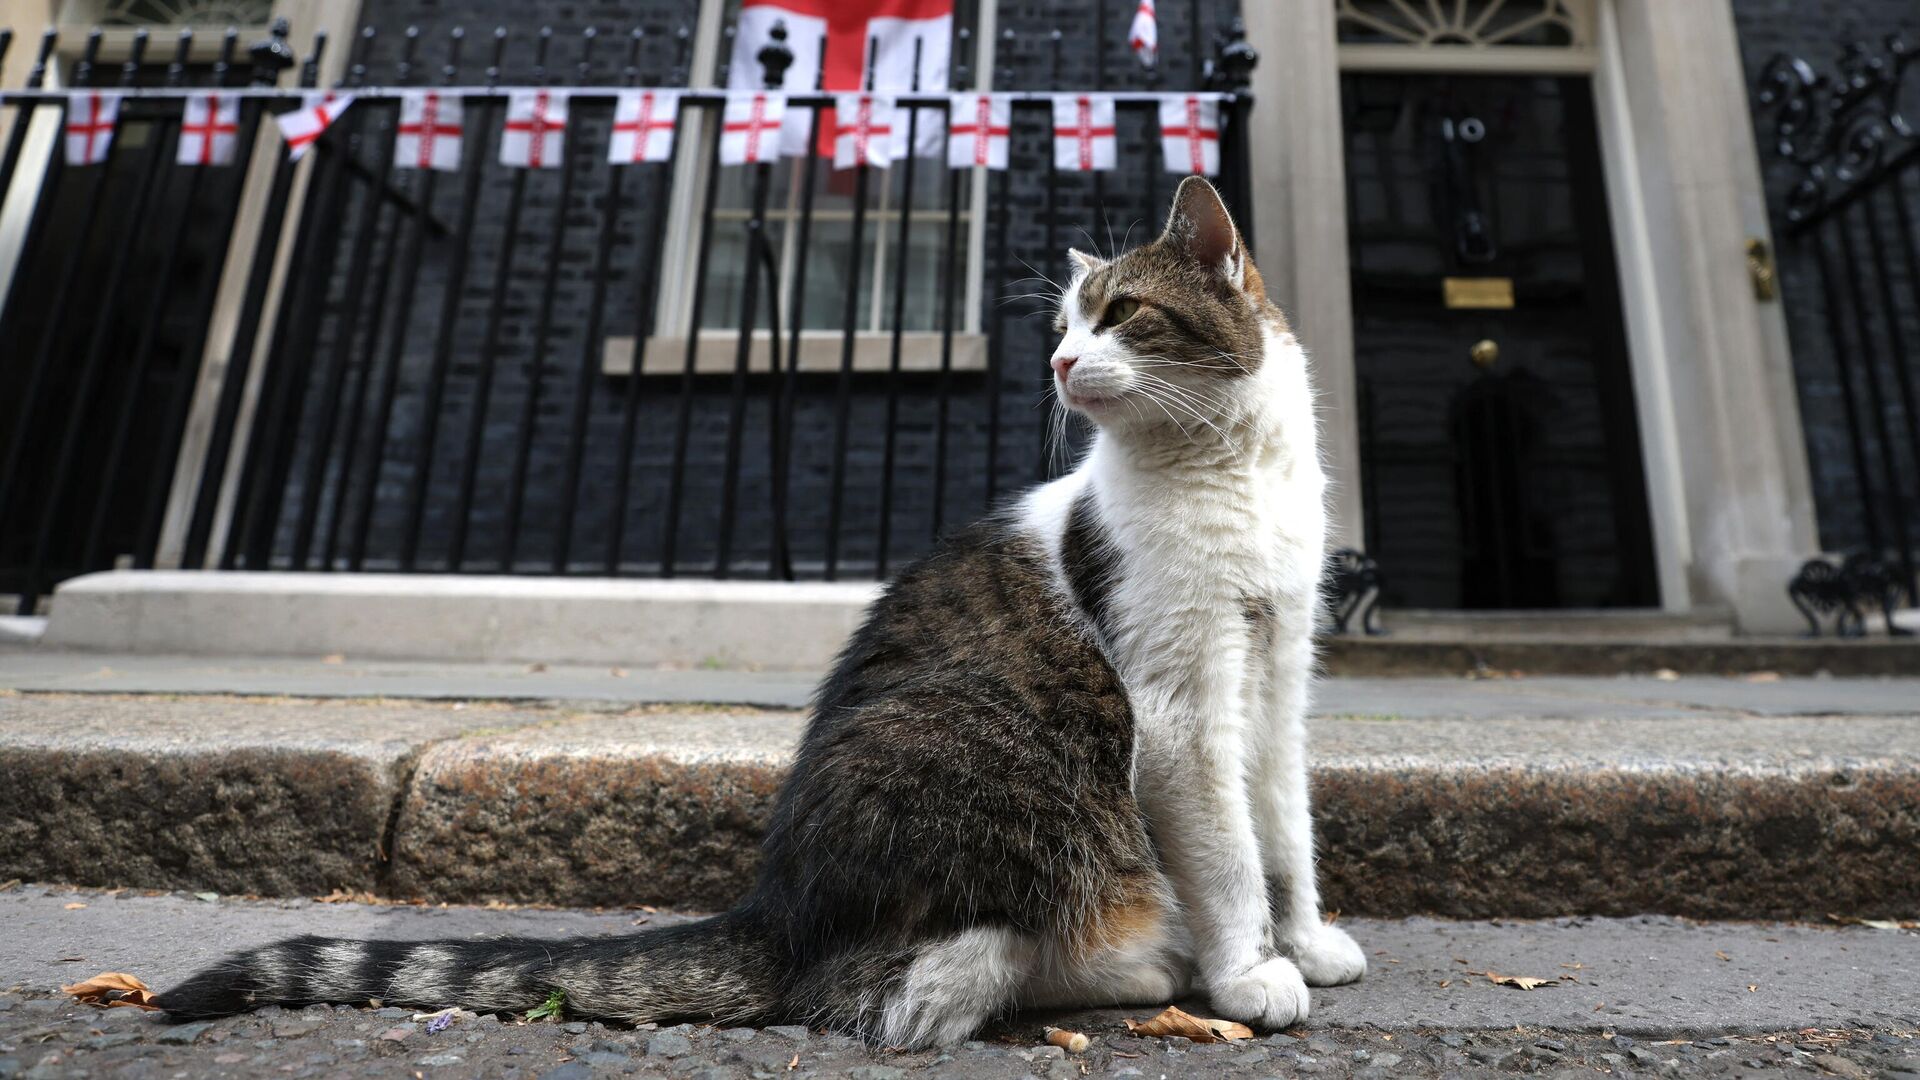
column 1499, row 447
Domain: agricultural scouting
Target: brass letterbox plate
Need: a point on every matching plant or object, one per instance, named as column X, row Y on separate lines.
column 1492, row 293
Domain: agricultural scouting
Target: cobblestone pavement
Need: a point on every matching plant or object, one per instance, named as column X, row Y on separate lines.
column 1631, row 997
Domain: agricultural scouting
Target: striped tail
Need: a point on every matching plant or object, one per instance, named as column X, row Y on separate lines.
column 720, row 969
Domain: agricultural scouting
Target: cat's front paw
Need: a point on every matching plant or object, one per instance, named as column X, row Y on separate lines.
column 1326, row 956
column 1270, row 996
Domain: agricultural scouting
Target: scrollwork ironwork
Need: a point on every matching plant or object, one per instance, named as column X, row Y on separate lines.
column 1842, row 591
column 1838, row 128
column 1352, row 585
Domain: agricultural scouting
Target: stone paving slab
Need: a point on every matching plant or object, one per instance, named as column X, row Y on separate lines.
column 1654, row 996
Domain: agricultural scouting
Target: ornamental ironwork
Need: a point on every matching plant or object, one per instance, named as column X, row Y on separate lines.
column 179, row 13
column 1840, row 128
column 1430, row 23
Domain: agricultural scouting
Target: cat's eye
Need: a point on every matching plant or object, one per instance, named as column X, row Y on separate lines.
column 1121, row 310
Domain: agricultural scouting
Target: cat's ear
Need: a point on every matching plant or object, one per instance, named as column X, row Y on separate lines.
column 1200, row 227
column 1083, row 263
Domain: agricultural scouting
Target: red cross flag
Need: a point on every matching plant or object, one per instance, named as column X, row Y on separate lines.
column 851, row 29
column 209, row 129
column 536, row 133
column 750, row 127
column 432, row 131
column 90, row 120
column 978, row 126
column 1083, row 136
column 1190, row 133
column 643, row 123
column 864, row 130
column 1144, row 35
column 304, row 125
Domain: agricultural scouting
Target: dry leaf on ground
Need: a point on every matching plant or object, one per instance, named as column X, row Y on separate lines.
column 110, row 988
column 1174, row 1022
column 1523, row 982
column 75, row 906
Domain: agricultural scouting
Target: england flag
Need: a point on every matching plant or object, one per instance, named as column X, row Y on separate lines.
column 432, row 131
column 90, row 120
column 209, row 129
column 1144, row 35
column 1190, row 133
column 978, row 126
column 303, row 126
column 1083, row 132
column 866, row 126
column 851, row 31
column 750, row 127
column 536, row 133
column 643, row 125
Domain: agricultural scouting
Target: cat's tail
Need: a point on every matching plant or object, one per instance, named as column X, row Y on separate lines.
column 723, row 969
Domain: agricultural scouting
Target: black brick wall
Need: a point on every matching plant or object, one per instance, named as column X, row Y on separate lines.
column 1817, row 31
column 1086, row 212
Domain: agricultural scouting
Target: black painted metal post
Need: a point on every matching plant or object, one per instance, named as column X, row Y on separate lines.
column 1055, row 261
column 23, row 116
column 890, row 430
column 1001, row 205
column 849, row 312
column 646, row 300
column 950, row 285
column 542, row 334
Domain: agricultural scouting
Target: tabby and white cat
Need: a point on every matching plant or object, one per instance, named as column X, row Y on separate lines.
column 1060, row 764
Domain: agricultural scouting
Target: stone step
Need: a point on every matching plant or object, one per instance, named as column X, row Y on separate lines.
column 1488, row 811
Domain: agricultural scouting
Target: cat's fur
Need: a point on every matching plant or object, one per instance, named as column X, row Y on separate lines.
column 1061, row 763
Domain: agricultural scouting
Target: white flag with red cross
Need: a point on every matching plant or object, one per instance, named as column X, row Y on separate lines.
column 535, row 136
column 643, row 126
column 1190, row 133
column 750, row 127
column 852, row 30
column 209, row 129
column 978, row 127
column 303, row 126
column 865, row 128
column 1083, row 132
column 1143, row 37
column 432, row 132
column 90, row 120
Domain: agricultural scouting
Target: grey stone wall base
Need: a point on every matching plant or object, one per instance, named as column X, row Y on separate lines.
column 1731, row 815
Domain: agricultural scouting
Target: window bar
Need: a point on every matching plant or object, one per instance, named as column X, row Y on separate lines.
column 1043, row 469
column 333, row 388
column 774, row 60
column 394, row 237
column 42, row 365
column 1843, row 366
column 949, row 285
column 490, row 342
column 542, row 336
column 180, row 402
column 269, row 57
column 459, row 255
column 1002, row 205
column 683, row 421
column 890, row 432
column 782, row 450
column 261, row 505
column 23, row 114
column 591, row 347
column 1099, row 83
column 1876, row 391
column 156, row 305
column 1902, row 372
column 1149, row 152
column 843, row 399
column 82, row 393
column 646, row 298
column 403, row 314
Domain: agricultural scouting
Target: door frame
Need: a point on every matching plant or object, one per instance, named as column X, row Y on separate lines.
column 1599, row 57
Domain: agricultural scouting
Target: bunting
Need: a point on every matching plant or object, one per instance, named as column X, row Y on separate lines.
column 750, row 127
column 865, row 129
column 90, row 120
column 303, row 126
column 978, row 128
column 643, row 126
column 209, row 129
column 1083, row 132
column 535, row 136
column 1190, row 133
column 432, row 132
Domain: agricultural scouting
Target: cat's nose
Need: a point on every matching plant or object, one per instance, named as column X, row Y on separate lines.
column 1064, row 364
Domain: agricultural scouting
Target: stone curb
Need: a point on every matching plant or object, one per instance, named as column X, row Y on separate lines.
column 1718, row 816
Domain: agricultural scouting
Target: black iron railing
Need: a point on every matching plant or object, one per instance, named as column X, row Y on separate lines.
column 434, row 392
column 1851, row 261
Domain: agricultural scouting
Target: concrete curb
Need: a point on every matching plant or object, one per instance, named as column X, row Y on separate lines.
column 1710, row 816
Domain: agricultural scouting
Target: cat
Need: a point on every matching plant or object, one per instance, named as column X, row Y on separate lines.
column 1061, row 763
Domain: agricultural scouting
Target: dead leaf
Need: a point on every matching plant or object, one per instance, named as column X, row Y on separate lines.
column 1444, row 983
column 1575, row 966
column 536, row 668
column 111, row 988
column 794, row 1064
column 1764, row 677
column 1667, row 675
column 1174, row 1022
column 75, row 906
column 1722, row 955
column 618, row 673
column 334, row 658
column 1753, row 988
column 1523, row 982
